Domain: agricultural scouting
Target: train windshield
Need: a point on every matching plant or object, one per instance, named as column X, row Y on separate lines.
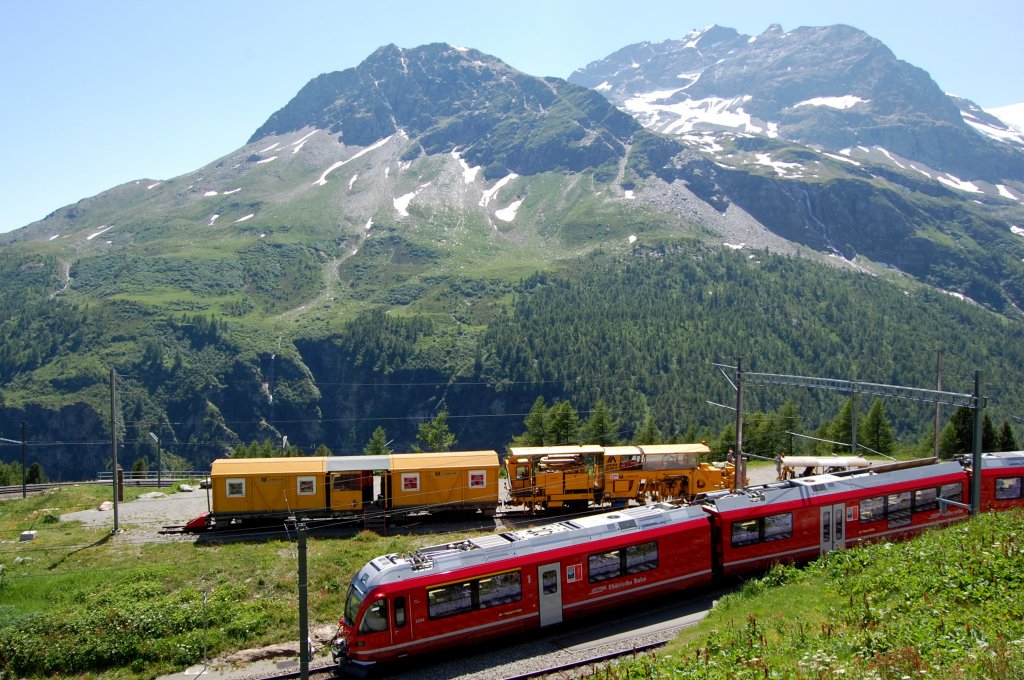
column 354, row 598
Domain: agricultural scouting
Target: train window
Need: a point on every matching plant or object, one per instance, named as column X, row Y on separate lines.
column 522, row 472
column 449, row 600
column 926, row 499
column 399, row 612
column 604, row 566
column 745, row 533
column 306, row 486
column 643, row 557
column 778, row 527
column 347, row 481
column 952, row 492
column 872, row 509
column 898, row 509
column 235, row 488
column 549, row 581
column 1008, row 488
column 573, row 573
column 375, row 619
column 499, row 589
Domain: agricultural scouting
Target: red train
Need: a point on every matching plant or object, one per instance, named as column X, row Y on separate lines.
column 446, row 596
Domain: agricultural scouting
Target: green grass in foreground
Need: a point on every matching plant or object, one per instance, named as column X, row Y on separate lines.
column 77, row 602
column 946, row 605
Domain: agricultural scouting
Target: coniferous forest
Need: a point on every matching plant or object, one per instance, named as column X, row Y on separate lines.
column 638, row 332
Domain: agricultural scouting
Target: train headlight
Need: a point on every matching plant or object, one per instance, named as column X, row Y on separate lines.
column 339, row 648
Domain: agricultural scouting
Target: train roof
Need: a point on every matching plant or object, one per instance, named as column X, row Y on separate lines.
column 356, row 463
column 816, row 486
column 528, row 451
column 251, row 466
column 444, row 558
column 826, row 461
column 1002, row 459
column 657, row 449
column 452, row 459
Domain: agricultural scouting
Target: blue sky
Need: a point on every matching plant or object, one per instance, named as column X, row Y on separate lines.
column 101, row 93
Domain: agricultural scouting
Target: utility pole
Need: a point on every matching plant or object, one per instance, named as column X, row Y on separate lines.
column 159, row 482
column 113, row 450
column 938, row 404
column 739, row 469
column 976, row 459
column 24, row 470
column 303, row 612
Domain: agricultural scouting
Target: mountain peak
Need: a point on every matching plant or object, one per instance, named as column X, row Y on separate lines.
column 446, row 98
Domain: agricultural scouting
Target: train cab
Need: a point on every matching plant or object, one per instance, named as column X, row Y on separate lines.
column 799, row 519
column 1002, row 480
column 503, row 584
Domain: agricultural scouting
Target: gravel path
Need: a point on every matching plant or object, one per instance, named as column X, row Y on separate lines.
column 142, row 519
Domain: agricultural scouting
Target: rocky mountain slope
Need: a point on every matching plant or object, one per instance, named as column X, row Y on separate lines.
column 240, row 301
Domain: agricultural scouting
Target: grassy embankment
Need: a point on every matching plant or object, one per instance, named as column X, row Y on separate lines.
column 76, row 601
column 945, row 605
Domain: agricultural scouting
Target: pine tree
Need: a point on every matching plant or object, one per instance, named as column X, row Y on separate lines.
column 877, row 431
column 647, row 432
column 601, row 428
column 841, row 430
column 1007, row 442
column 562, row 424
column 434, row 434
column 378, row 444
column 35, row 474
column 536, row 431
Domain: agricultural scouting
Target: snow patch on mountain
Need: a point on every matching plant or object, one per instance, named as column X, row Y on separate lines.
column 468, row 173
column 508, row 214
column 1005, row 133
column 959, row 184
column 362, row 152
column 790, row 170
column 843, row 102
column 102, row 230
column 1005, row 192
column 492, row 192
column 402, row 202
column 1012, row 115
column 658, row 111
column 298, row 144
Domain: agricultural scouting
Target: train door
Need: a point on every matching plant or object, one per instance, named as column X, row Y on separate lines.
column 550, row 595
column 833, row 527
column 346, row 491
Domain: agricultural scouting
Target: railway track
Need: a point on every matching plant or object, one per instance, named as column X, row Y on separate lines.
column 559, row 670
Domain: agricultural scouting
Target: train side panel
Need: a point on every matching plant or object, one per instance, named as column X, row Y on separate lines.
column 798, row 520
column 594, row 563
column 1002, row 481
column 266, row 486
column 461, row 481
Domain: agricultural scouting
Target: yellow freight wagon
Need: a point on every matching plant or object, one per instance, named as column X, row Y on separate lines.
column 464, row 480
column 280, row 487
column 543, row 477
column 659, row 472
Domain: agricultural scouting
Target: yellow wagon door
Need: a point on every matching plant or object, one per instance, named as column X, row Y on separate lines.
column 347, row 491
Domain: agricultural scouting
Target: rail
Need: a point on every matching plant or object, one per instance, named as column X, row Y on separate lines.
column 132, row 476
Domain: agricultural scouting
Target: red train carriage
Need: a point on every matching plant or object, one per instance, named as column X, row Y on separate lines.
column 1002, row 480
column 446, row 595
column 800, row 519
